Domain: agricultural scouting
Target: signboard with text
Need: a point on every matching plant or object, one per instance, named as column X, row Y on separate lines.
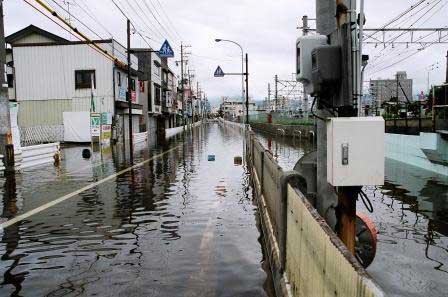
column 95, row 124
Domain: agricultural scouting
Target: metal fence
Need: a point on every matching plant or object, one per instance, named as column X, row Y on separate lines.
column 41, row 134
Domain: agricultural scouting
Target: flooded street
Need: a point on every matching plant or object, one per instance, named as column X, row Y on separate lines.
column 410, row 214
column 176, row 225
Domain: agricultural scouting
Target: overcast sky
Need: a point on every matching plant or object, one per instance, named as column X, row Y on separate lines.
column 265, row 29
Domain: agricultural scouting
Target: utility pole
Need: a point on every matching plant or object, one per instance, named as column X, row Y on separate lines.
column 247, row 89
column 269, row 96
column 305, row 30
column 6, row 144
column 131, row 144
column 182, row 81
column 197, row 94
column 446, row 74
column 276, row 93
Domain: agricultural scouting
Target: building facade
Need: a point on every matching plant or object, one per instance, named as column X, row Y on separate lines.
column 234, row 109
column 384, row 90
column 51, row 75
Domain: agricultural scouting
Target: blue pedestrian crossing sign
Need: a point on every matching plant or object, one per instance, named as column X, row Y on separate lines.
column 166, row 51
column 219, row 72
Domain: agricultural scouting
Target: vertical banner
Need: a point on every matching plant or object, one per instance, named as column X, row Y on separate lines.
column 95, row 124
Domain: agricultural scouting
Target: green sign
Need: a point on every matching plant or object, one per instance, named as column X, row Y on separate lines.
column 95, row 120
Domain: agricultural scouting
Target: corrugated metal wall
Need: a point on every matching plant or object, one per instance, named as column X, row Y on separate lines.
column 45, row 82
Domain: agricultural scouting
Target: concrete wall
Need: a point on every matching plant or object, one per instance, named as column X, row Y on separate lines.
column 411, row 149
column 305, row 255
column 289, row 130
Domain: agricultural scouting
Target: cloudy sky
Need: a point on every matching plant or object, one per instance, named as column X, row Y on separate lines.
column 265, row 29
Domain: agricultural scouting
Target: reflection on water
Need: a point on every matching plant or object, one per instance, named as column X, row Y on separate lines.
column 411, row 215
column 176, row 226
column 286, row 150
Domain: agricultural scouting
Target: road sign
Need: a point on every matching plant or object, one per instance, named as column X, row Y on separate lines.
column 166, row 51
column 219, row 72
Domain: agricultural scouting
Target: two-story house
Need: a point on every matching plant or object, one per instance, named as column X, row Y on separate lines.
column 51, row 77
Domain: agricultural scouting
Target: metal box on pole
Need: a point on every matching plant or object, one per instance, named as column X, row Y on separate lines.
column 355, row 151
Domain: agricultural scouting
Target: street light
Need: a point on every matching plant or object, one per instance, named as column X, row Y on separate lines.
column 242, row 64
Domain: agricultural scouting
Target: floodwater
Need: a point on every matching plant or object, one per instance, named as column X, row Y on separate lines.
column 411, row 216
column 177, row 225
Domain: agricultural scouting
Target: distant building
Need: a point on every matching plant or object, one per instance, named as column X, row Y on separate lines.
column 233, row 109
column 383, row 90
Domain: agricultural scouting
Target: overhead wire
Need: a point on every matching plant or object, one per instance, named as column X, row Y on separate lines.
column 170, row 24
column 91, row 15
column 81, row 36
column 76, row 18
column 157, row 20
column 383, row 58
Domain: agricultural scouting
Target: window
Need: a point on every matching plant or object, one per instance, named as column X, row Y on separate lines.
column 156, row 94
column 119, row 78
column 132, row 84
column 83, row 79
column 10, row 79
column 156, row 69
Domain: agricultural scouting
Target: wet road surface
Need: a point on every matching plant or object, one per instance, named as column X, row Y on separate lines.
column 177, row 225
column 411, row 216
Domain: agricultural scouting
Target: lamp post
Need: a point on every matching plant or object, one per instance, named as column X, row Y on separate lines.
column 242, row 64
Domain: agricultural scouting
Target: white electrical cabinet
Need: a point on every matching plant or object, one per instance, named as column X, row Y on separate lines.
column 304, row 47
column 355, row 151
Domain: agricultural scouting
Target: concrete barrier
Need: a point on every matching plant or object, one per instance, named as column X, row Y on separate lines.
column 302, row 131
column 34, row 155
column 306, row 257
column 2, row 167
column 170, row 132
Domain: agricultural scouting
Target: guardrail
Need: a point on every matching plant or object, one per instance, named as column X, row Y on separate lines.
column 306, row 257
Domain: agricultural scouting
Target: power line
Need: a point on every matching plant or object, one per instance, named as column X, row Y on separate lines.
column 91, row 15
column 132, row 22
column 160, row 24
column 147, row 25
column 168, row 18
column 78, row 34
column 73, row 16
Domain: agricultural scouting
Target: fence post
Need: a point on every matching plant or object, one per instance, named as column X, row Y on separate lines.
column 297, row 181
column 406, row 119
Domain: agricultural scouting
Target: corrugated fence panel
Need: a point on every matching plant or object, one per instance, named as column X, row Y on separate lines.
column 42, row 112
column 317, row 262
column 258, row 155
column 271, row 183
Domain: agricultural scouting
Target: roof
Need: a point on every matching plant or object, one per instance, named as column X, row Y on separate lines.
column 31, row 29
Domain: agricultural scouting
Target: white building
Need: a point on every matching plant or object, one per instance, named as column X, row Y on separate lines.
column 52, row 75
column 233, row 109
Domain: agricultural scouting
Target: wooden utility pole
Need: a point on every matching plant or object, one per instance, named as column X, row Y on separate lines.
column 6, row 144
column 347, row 195
column 129, row 95
column 247, row 89
column 182, row 82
